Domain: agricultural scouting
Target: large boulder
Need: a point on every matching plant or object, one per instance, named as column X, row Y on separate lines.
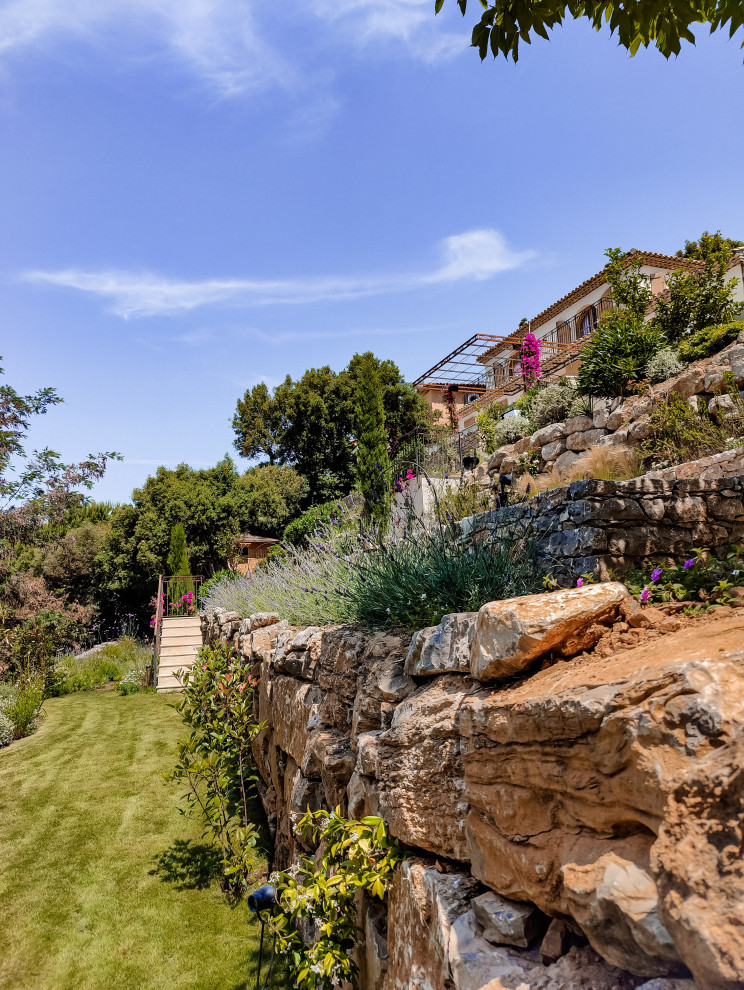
column 572, row 774
column 510, row 635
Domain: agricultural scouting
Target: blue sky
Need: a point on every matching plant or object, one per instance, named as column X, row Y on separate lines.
column 198, row 195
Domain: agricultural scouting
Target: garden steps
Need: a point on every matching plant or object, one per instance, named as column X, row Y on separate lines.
column 180, row 639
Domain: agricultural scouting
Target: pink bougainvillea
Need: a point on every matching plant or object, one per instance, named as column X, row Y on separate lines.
column 529, row 355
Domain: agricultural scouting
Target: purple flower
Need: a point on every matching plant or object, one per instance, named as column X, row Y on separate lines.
column 645, row 595
column 689, row 563
column 656, row 573
column 580, row 583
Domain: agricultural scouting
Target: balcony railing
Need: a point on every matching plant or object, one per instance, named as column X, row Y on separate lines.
column 579, row 327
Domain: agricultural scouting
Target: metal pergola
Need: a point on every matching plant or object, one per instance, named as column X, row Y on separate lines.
column 463, row 366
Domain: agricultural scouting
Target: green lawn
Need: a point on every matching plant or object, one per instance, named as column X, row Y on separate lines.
column 103, row 884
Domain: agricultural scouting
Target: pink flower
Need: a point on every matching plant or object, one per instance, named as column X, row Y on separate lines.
column 645, row 594
column 580, row 583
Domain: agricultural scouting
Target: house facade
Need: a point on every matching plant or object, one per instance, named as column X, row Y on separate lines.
column 492, row 372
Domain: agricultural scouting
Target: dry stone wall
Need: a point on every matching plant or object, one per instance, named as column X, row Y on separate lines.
column 601, row 527
column 572, row 823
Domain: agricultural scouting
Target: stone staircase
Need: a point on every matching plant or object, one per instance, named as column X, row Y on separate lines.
column 179, row 641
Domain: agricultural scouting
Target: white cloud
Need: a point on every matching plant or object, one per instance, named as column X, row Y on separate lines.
column 473, row 256
column 218, row 40
column 408, row 22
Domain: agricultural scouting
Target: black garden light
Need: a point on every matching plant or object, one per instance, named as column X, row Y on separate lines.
column 505, row 480
column 261, row 902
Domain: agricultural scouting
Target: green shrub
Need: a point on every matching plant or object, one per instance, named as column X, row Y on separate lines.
column 317, row 517
column 508, row 430
column 94, row 669
column 695, row 576
column 215, row 760
column 615, row 358
column 22, row 710
column 556, row 403
column 6, row 729
column 663, row 365
column 681, row 433
column 487, row 422
column 709, row 341
column 696, row 299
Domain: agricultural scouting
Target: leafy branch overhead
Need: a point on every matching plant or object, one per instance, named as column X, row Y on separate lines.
column 663, row 24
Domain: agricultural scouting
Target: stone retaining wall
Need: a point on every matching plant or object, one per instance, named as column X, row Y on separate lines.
column 545, row 803
column 601, row 526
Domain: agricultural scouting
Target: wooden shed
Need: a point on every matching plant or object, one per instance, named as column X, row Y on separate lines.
column 248, row 550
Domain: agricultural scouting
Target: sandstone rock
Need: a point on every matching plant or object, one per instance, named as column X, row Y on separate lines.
column 556, row 941
column 602, row 410
column 552, row 450
column 381, row 680
column 548, row 434
column 640, row 428
column 475, row 963
column 699, row 866
column 615, row 901
column 294, row 704
column 521, row 447
column 566, row 460
column 338, row 668
column 691, row 382
column 424, row 904
column 494, row 461
column 578, row 424
column 506, row 922
column 579, row 763
column 330, row 752
column 641, row 616
column 373, row 960
column 263, row 641
column 510, row 635
column 722, row 405
column 362, row 797
column 731, row 361
column 585, row 440
column 420, row 770
column 444, row 648
column 664, row 983
column 259, row 620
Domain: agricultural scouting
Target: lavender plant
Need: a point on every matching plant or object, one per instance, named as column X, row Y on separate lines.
column 381, row 578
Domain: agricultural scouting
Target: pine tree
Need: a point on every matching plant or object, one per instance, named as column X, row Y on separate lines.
column 373, row 466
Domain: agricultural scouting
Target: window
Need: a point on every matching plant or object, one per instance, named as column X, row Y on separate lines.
column 588, row 321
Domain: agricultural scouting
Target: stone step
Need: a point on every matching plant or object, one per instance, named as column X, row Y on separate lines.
column 181, row 622
column 177, row 642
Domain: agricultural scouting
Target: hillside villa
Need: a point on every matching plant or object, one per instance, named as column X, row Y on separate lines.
column 486, row 367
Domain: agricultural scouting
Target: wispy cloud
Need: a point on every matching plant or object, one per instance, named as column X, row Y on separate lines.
column 473, row 256
column 407, row 22
column 288, row 337
column 229, row 45
column 218, row 40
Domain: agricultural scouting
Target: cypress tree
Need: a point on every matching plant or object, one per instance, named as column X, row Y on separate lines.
column 373, row 466
column 178, row 555
column 178, row 564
